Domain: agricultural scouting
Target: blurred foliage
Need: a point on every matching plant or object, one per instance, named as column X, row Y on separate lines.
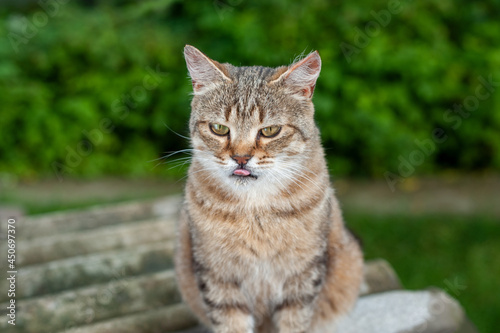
column 83, row 70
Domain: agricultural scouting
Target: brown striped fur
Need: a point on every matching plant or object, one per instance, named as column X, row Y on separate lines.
column 267, row 252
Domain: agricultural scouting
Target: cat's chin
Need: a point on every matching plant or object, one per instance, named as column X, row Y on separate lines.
column 243, row 180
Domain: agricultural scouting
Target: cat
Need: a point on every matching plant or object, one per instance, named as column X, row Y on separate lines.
column 262, row 245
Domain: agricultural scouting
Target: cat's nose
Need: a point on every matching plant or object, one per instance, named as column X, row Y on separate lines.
column 241, row 160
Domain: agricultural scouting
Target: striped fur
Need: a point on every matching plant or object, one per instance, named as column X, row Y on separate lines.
column 267, row 252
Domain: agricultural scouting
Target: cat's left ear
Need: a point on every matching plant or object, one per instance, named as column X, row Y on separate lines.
column 301, row 76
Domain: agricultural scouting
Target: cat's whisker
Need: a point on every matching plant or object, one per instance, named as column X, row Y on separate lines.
column 205, row 160
column 317, row 185
column 183, row 158
column 293, row 180
column 180, row 135
column 205, row 169
column 284, row 171
column 189, row 151
column 169, row 162
column 178, row 161
column 286, row 188
column 185, row 151
column 209, row 174
column 201, row 170
column 190, row 159
column 298, row 170
column 309, row 179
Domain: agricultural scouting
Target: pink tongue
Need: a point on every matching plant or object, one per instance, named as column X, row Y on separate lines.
column 241, row 172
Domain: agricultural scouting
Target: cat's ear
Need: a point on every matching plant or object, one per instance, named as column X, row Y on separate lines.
column 204, row 72
column 301, row 76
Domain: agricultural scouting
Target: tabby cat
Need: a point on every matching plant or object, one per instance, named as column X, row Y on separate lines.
column 262, row 246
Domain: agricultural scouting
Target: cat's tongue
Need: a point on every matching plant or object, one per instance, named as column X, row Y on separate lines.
column 241, row 172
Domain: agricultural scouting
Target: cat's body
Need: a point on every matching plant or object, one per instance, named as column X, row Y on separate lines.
column 262, row 245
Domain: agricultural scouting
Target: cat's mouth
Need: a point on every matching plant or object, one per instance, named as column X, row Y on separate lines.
column 243, row 173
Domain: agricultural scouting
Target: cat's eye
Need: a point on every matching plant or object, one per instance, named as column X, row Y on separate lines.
column 270, row 131
column 219, row 129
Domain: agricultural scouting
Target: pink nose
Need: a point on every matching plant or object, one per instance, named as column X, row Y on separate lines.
column 241, row 160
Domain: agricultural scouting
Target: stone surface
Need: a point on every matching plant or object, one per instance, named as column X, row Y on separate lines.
column 123, row 296
column 163, row 319
column 48, row 224
column 65, row 245
column 379, row 276
column 109, row 269
column 120, row 297
column 428, row 311
column 74, row 272
column 61, row 275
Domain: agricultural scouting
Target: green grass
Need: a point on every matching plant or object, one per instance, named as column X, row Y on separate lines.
column 458, row 254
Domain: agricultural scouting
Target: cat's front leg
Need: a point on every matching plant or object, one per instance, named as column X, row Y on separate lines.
column 295, row 312
column 225, row 304
column 230, row 319
column 294, row 316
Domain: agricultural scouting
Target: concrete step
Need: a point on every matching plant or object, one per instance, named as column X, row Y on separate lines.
column 115, row 299
column 48, row 224
column 124, row 295
column 119, row 236
column 109, row 269
column 75, row 272
column 164, row 319
column 424, row 311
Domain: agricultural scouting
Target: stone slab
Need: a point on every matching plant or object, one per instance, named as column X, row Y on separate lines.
column 426, row 311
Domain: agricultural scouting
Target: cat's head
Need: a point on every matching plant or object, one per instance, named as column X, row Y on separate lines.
column 253, row 126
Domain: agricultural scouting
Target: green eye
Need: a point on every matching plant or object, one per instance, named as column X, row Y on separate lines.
column 270, row 131
column 219, row 129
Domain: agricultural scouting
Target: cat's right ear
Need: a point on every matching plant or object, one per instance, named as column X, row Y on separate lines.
column 205, row 73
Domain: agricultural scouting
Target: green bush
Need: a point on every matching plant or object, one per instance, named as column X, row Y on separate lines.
column 74, row 75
